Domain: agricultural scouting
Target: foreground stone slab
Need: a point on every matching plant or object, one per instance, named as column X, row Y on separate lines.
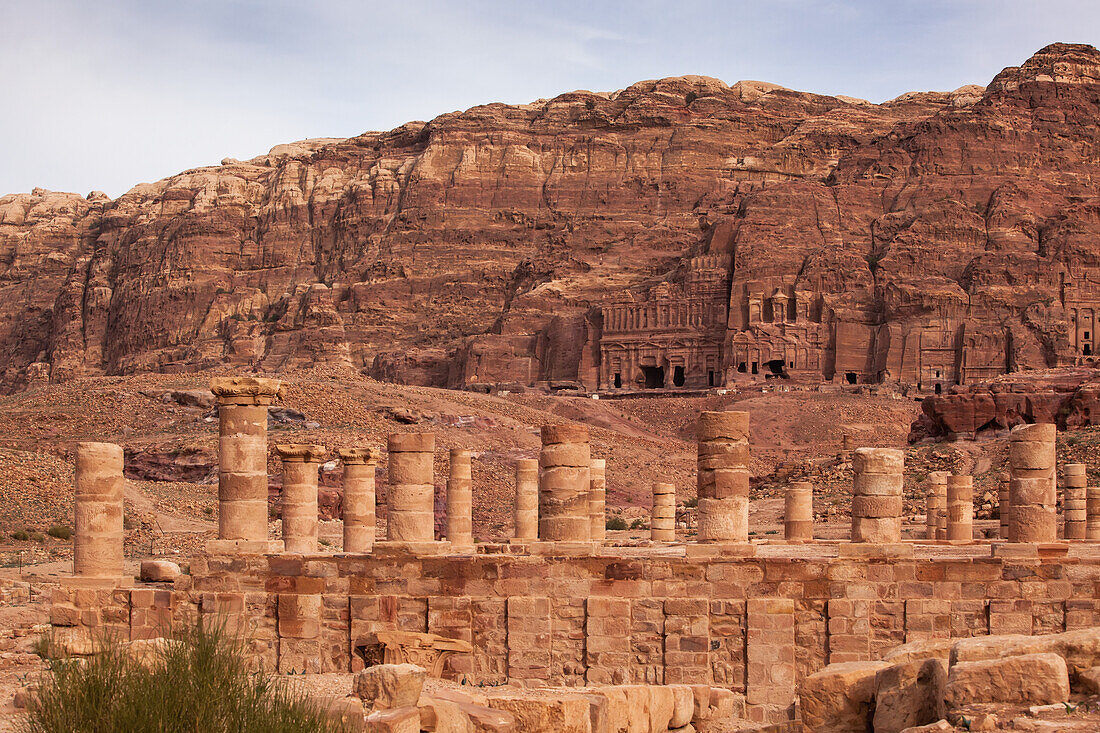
column 159, row 571
column 558, row 714
column 908, row 694
column 398, row 720
column 1036, row 679
column 838, row 699
column 388, row 686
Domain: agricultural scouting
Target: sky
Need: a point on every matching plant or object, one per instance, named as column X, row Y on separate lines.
column 104, row 95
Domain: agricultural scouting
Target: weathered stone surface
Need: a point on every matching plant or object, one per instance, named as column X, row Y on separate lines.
column 386, row 686
column 909, row 694
column 159, row 571
column 533, row 214
column 544, row 714
column 395, row 720
column 1036, row 679
column 937, row 727
column 840, row 697
column 1080, row 648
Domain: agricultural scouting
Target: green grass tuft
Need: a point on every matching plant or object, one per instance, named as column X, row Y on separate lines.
column 202, row 683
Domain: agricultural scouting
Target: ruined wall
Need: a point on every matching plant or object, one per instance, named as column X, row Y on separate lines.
column 754, row 625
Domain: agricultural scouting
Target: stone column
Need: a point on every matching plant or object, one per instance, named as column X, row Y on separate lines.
column 242, row 461
column 1004, row 503
column 798, row 512
column 1034, row 492
column 597, row 500
column 98, row 535
column 1092, row 511
column 960, row 508
column 460, row 528
column 876, row 495
column 411, row 472
column 723, row 476
column 564, row 465
column 359, row 497
column 662, row 518
column 846, row 447
column 936, row 505
column 299, row 504
column 526, row 524
column 1074, row 508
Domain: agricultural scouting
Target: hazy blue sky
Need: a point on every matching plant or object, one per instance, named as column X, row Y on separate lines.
column 103, row 95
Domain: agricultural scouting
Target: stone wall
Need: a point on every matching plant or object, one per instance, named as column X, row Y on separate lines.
column 756, row 625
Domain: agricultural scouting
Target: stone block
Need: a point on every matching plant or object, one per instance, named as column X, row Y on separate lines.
column 557, row 714
column 396, row 720
column 839, row 698
column 908, row 694
column 1031, row 679
column 388, row 686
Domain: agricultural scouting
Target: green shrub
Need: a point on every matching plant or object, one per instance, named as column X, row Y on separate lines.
column 639, row 524
column 616, row 523
column 692, row 502
column 60, row 531
column 20, row 534
column 37, row 537
column 202, row 683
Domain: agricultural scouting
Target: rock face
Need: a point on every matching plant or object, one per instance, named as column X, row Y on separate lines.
column 1067, row 397
column 680, row 232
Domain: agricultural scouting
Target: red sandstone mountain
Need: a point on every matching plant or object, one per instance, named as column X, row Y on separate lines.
column 677, row 231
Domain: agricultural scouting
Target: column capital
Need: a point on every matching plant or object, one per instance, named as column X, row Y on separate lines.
column 246, row 390
column 367, row 454
column 300, row 452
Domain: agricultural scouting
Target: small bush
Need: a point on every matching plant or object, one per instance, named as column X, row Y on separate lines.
column 21, row 535
column 616, row 523
column 692, row 502
column 208, row 510
column 37, row 537
column 60, row 531
column 690, row 97
column 202, row 683
column 639, row 524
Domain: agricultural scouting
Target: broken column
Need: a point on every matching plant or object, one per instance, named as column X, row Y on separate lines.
column 242, row 461
column 1004, row 503
column 359, row 497
column 299, row 503
column 936, row 506
column 798, row 512
column 98, row 535
column 597, row 499
column 846, row 447
column 1092, row 513
column 1033, row 491
column 460, row 531
column 1075, row 501
column 876, row 495
column 723, row 476
column 960, row 508
column 662, row 517
column 564, row 465
column 411, row 473
column 526, row 525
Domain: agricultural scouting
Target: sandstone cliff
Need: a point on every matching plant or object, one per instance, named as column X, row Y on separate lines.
column 935, row 238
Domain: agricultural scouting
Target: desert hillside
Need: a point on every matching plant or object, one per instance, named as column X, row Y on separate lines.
column 934, row 238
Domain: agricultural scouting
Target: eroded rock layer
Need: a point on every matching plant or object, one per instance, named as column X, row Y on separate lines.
column 679, row 232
